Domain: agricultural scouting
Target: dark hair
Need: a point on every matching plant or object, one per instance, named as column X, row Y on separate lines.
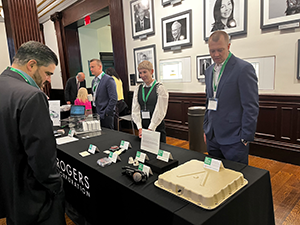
column 98, row 61
column 42, row 54
column 218, row 25
column 112, row 72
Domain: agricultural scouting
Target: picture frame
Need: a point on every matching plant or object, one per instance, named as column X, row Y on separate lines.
column 236, row 18
column 144, row 53
column 142, row 18
column 177, row 31
column 203, row 62
column 166, row 2
column 298, row 61
column 275, row 13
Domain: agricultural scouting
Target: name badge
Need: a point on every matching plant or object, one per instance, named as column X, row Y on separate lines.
column 212, row 104
column 145, row 115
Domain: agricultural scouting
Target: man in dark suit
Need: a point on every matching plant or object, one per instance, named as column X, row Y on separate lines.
column 104, row 94
column 232, row 102
column 72, row 86
column 143, row 23
column 31, row 189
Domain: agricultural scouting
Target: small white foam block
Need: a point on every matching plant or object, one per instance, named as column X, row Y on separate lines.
column 84, row 153
column 64, row 140
column 84, row 126
column 98, row 127
column 93, row 125
column 203, row 187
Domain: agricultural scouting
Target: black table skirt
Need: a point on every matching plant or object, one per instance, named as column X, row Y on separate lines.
column 104, row 194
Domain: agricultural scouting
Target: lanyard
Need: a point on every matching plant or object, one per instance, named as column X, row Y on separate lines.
column 143, row 92
column 17, row 71
column 30, row 82
column 97, row 82
column 221, row 71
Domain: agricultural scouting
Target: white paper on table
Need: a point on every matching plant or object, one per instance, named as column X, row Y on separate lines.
column 54, row 110
column 66, row 139
column 150, row 141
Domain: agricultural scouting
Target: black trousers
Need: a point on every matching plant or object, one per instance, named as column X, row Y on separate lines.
column 107, row 122
column 56, row 215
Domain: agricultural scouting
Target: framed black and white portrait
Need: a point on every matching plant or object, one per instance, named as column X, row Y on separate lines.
column 227, row 15
column 203, row 62
column 177, row 30
column 141, row 54
column 142, row 18
column 279, row 12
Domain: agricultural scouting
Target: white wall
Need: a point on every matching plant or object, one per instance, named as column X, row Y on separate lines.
column 4, row 62
column 94, row 38
column 89, row 49
column 51, row 42
column 257, row 43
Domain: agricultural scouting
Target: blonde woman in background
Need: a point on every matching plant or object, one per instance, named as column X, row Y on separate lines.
column 82, row 99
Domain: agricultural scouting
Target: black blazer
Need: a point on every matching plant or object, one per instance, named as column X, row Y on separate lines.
column 28, row 173
column 71, row 89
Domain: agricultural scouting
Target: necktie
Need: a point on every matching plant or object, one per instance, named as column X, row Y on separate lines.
column 78, row 85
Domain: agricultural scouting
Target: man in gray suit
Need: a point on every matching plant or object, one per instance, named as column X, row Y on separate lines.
column 232, row 102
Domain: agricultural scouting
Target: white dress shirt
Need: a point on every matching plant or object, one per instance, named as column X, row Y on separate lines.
column 160, row 110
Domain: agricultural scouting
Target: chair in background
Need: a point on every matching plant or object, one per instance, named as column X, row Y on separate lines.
column 127, row 118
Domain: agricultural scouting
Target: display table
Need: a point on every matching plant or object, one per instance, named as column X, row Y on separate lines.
column 104, row 194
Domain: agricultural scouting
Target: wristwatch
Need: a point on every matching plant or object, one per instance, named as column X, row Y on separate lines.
column 244, row 141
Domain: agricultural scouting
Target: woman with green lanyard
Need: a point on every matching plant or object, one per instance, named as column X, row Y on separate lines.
column 150, row 102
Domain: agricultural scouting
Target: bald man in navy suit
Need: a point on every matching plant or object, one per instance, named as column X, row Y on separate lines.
column 232, row 104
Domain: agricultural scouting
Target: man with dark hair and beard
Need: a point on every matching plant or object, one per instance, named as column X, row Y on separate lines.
column 31, row 189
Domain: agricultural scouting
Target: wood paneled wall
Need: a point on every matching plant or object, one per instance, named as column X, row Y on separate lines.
column 278, row 126
column 278, row 134
column 21, row 22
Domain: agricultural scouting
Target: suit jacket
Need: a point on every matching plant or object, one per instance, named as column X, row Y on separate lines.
column 238, row 103
column 29, row 179
column 138, row 27
column 106, row 96
column 71, row 89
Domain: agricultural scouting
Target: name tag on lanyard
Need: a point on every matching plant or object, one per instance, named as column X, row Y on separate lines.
column 212, row 104
column 145, row 114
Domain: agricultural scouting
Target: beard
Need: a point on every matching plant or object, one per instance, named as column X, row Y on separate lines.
column 38, row 79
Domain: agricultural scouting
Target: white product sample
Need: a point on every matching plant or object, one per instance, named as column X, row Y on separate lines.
column 203, row 187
